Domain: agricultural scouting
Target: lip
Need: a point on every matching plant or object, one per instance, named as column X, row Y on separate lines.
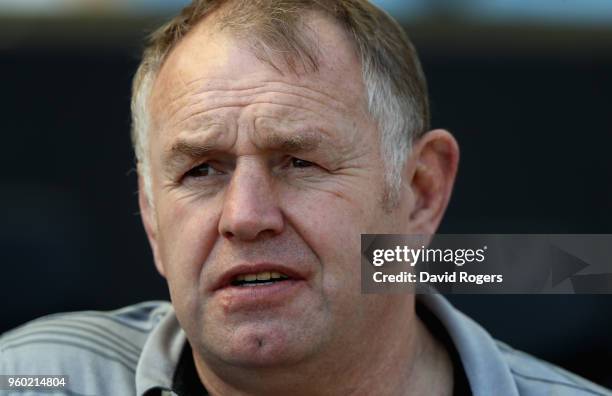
column 257, row 299
column 225, row 279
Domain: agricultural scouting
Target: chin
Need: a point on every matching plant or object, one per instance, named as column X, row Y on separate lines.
column 264, row 346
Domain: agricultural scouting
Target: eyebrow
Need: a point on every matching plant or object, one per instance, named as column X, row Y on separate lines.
column 296, row 143
column 184, row 150
column 191, row 149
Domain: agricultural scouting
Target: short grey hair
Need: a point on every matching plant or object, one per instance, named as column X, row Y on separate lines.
column 396, row 89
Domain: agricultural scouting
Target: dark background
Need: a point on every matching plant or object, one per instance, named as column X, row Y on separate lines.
column 530, row 108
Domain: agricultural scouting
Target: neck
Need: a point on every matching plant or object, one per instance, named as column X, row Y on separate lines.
column 401, row 358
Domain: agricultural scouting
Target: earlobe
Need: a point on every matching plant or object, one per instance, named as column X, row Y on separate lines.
column 147, row 214
column 432, row 170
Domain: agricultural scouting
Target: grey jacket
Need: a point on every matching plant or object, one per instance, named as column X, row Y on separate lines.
column 135, row 350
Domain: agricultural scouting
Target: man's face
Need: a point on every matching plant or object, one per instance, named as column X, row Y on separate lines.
column 262, row 174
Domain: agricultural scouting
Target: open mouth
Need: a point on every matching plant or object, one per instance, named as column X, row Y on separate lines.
column 259, row 279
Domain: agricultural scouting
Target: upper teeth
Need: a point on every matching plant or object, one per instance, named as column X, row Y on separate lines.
column 261, row 276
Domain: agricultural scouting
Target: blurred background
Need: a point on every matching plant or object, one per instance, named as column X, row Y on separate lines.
column 525, row 86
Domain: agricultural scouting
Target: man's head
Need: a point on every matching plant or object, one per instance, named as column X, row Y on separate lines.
column 275, row 32
column 258, row 130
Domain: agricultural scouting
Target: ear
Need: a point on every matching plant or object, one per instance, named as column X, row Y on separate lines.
column 148, row 216
column 431, row 170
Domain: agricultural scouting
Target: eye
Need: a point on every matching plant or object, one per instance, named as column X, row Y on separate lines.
column 300, row 163
column 202, row 170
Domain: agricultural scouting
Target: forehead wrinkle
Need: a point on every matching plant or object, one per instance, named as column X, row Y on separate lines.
column 244, row 98
column 296, row 133
column 213, row 122
column 311, row 81
column 201, row 121
column 248, row 91
column 259, row 86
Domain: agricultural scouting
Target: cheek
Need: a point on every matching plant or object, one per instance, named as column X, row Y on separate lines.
column 331, row 225
column 188, row 230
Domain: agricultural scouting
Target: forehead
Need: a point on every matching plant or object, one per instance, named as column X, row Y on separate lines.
column 209, row 59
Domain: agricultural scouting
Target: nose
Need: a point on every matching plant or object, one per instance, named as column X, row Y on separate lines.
column 250, row 207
